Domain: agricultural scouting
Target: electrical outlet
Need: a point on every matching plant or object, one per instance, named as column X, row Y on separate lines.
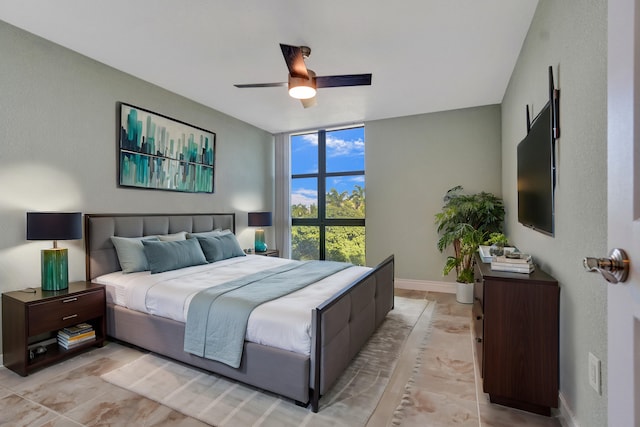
column 594, row 372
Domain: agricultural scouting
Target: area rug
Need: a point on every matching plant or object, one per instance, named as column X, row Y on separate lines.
column 222, row 402
column 441, row 389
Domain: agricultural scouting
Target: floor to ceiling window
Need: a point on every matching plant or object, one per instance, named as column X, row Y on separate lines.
column 327, row 195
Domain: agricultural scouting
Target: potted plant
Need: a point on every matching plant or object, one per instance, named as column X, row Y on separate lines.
column 464, row 223
column 497, row 243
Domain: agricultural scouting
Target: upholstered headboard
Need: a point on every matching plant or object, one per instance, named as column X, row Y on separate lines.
column 101, row 256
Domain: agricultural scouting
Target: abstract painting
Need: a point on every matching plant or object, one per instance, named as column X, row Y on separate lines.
column 161, row 153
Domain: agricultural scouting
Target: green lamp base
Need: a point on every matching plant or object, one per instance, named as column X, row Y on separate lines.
column 54, row 269
column 260, row 245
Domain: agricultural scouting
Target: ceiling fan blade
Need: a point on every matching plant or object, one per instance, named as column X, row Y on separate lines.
column 295, row 61
column 343, row 80
column 261, row 85
column 309, row 102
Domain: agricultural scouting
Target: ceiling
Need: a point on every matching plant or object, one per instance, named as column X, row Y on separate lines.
column 425, row 55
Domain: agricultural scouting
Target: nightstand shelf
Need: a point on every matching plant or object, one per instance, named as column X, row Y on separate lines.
column 31, row 319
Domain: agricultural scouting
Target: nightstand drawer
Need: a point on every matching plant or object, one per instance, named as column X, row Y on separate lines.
column 65, row 311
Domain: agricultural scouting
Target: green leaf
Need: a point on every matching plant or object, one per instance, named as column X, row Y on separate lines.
column 464, row 222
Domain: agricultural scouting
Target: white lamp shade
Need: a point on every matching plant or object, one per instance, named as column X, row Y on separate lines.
column 301, row 88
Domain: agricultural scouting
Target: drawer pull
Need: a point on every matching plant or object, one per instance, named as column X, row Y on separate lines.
column 69, row 317
column 478, row 340
column 478, row 317
column 64, row 301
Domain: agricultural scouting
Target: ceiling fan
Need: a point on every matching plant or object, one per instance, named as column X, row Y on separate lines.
column 303, row 82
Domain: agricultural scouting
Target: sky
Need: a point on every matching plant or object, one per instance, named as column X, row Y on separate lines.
column 345, row 152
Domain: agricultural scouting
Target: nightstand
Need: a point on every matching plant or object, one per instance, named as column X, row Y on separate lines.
column 269, row 252
column 31, row 319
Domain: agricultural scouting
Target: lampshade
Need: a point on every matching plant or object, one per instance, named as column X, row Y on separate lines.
column 54, row 225
column 54, row 268
column 259, row 219
column 301, row 88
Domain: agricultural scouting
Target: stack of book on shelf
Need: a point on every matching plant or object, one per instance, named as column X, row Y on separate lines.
column 520, row 263
column 76, row 335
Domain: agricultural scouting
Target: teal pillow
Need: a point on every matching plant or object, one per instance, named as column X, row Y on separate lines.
column 131, row 252
column 165, row 256
column 217, row 248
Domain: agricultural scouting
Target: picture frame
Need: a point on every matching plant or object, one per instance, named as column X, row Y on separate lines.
column 162, row 153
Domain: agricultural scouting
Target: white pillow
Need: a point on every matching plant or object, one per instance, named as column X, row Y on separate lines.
column 181, row 235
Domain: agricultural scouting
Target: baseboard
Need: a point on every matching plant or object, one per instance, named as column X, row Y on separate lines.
column 566, row 416
column 426, row 285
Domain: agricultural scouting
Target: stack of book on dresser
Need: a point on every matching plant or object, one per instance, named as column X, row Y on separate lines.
column 76, row 335
column 513, row 263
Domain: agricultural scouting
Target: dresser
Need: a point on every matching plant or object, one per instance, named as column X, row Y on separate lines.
column 515, row 328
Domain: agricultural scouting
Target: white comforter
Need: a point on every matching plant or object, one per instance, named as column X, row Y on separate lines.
column 283, row 323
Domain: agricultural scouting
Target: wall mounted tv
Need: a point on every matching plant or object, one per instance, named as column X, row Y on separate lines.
column 537, row 167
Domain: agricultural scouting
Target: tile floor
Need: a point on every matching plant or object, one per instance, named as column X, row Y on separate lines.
column 443, row 387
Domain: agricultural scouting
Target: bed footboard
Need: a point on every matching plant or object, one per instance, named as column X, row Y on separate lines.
column 346, row 321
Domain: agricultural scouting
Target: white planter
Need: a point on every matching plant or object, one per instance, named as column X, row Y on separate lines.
column 464, row 293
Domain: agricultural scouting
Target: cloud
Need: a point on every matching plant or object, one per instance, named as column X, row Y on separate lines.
column 304, row 196
column 346, row 180
column 337, row 147
column 311, row 138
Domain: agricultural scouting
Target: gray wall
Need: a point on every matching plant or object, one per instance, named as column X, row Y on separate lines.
column 411, row 162
column 571, row 36
column 58, row 139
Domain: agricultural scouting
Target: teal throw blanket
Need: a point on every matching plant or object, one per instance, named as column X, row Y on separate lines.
column 217, row 318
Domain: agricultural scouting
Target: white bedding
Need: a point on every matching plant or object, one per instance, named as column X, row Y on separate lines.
column 283, row 323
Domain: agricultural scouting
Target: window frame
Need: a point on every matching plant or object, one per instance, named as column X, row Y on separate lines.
column 321, row 176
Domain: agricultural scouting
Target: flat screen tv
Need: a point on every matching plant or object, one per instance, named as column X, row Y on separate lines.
column 536, row 174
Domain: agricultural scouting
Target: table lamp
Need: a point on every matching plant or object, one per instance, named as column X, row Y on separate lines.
column 260, row 219
column 54, row 262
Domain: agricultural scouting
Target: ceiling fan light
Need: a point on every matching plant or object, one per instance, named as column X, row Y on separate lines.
column 301, row 88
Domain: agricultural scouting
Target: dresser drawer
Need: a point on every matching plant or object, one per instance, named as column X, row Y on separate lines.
column 478, row 286
column 478, row 333
column 65, row 311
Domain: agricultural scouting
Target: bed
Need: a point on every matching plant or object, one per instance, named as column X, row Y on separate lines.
column 340, row 325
